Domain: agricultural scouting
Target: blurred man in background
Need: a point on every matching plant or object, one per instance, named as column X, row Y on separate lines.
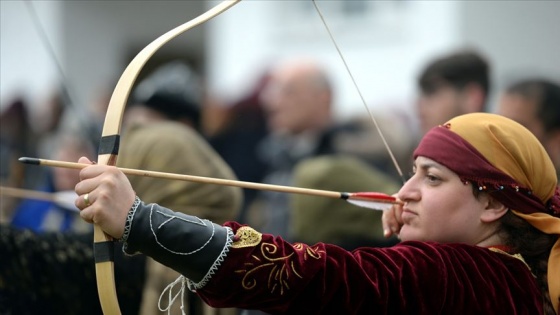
column 163, row 133
column 452, row 85
column 298, row 106
column 535, row 103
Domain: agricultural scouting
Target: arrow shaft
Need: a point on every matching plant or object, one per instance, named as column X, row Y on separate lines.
column 206, row 180
column 25, row 193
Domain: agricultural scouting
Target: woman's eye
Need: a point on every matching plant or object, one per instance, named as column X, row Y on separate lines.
column 432, row 178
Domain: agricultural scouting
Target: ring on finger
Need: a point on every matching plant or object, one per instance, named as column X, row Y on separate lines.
column 86, row 199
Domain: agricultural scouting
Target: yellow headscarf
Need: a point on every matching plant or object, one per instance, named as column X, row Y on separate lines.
column 507, row 160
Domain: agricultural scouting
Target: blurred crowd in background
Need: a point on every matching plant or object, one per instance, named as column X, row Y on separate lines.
column 283, row 131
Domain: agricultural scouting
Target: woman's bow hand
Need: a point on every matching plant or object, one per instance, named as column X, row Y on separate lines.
column 104, row 197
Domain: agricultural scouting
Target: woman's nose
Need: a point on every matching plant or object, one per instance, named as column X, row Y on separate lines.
column 409, row 191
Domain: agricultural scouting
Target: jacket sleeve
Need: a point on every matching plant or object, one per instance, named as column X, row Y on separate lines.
column 190, row 245
column 265, row 272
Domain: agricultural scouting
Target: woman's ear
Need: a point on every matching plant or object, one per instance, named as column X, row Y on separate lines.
column 493, row 211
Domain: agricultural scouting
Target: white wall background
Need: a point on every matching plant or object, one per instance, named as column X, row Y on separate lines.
column 25, row 65
column 385, row 46
column 520, row 37
column 93, row 42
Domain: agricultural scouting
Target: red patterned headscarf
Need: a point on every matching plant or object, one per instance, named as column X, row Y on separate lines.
column 506, row 160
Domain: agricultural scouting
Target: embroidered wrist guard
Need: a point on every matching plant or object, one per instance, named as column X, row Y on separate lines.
column 192, row 246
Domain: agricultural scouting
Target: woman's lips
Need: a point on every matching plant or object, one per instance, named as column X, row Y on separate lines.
column 408, row 214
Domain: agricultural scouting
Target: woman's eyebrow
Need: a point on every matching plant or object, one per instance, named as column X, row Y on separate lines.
column 426, row 165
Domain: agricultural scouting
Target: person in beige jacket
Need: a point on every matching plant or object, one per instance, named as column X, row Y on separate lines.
column 175, row 148
column 162, row 133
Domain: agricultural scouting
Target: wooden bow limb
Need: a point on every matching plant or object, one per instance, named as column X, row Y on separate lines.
column 372, row 200
column 109, row 147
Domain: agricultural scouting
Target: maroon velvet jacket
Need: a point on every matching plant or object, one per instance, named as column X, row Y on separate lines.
column 275, row 276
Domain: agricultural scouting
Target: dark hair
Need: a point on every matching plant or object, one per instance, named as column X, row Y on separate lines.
column 174, row 90
column 533, row 245
column 172, row 106
column 546, row 95
column 457, row 70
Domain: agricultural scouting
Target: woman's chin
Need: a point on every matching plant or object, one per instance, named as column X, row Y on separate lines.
column 408, row 234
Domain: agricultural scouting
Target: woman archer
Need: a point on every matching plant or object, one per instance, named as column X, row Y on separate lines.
column 479, row 226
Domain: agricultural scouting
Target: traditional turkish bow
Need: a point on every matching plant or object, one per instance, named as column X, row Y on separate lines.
column 109, row 147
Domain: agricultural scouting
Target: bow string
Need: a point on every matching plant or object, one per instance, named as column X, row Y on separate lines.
column 381, row 135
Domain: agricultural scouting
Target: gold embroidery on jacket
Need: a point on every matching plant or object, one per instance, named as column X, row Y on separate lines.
column 518, row 256
column 279, row 268
column 247, row 237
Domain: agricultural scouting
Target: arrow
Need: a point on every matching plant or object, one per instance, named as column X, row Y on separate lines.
column 372, row 200
column 63, row 198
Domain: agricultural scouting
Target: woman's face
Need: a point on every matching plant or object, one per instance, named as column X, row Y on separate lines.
column 439, row 206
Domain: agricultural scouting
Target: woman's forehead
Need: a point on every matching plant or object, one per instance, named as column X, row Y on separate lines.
column 422, row 162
